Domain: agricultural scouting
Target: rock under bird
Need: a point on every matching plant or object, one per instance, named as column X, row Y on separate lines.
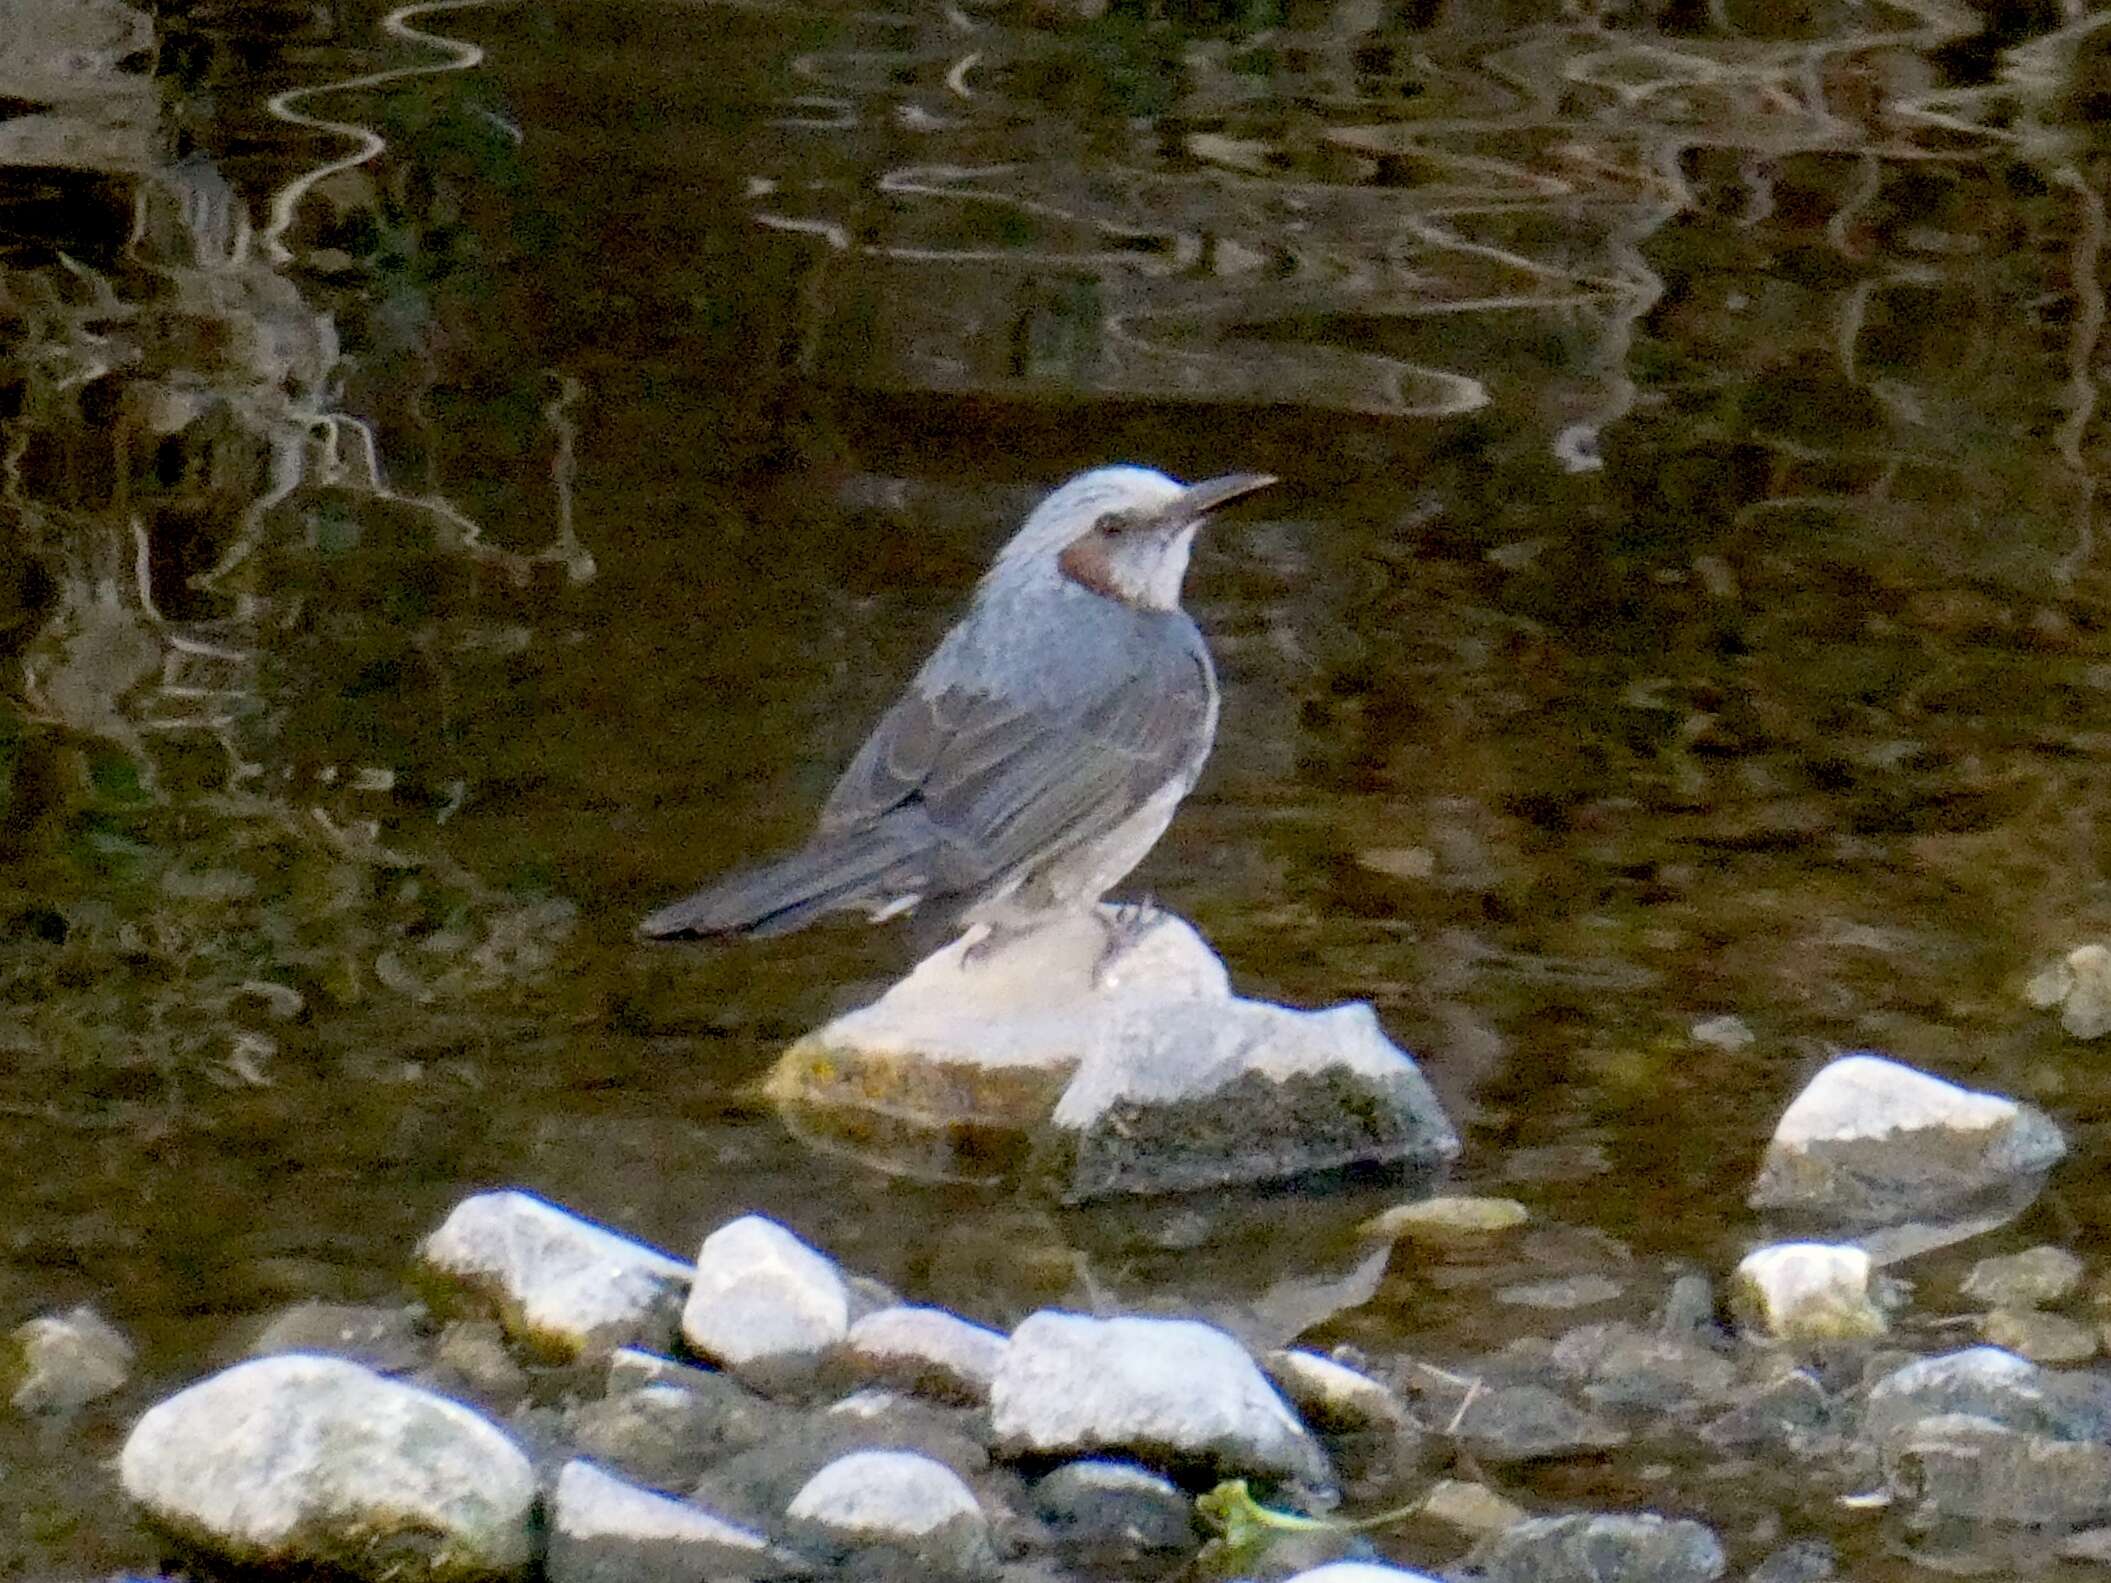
column 1041, row 750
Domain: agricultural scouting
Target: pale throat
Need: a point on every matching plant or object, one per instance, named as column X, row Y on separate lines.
column 1144, row 574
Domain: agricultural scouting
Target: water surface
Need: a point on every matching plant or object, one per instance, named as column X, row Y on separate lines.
column 473, row 471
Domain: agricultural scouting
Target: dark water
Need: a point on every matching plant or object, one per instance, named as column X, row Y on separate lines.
column 1689, row 599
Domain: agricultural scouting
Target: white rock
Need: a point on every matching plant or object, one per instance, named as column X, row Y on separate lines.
column 298, row 1460
column 926, row 1350
column 762, row 1303
column 64, row 1361
column 1807, row 1291
column 1871, row 1138
column 1359, row 1572
column 1072, row 1385
column 1180, row 1097
column 897, row 1498
column 1149, row 1076
column 1332, row 1396
column 605, row 1530
column 559, row 1283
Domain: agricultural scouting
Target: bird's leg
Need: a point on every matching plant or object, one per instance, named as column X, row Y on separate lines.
column 1132, row 920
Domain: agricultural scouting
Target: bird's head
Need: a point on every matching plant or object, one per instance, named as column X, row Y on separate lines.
column 1121, row 532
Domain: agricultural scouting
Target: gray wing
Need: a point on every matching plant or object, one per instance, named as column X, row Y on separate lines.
column 1002, row 782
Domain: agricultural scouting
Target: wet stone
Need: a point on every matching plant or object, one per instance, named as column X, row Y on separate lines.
column 603, row 1530
column 2042, row 1338
column 1988, row 1383
column 301, row 1460
column 57, row 1363
column 473, row 1351
column 388, row 1338
column 925, row 1350
column 899, row 1500
column 1872, row 1139
column 1145, row 1075
column 1805, row 1561
column 2032, row 1279
column 1333, row 1398
column 765, row 1305
column 1790, row 1410
column 756, row 1484
column 1114, row 1508
column 1472, row 1509
column 669, row 1436
column 1688, row 1311
column 1807, row 1291
column 1623, row 1366
column 558, row 1283
column 1240, row 1092
column 1561, row 1294
column 1962, row 1466
column 1447, row 1219
column 1530, row 1423
column 1590, row 1548
column 1166, row 1390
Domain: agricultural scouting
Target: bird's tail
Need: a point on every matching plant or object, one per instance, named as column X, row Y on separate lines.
column 853, row 870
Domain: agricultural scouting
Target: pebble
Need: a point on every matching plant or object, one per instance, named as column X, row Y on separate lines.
column 1073, row 1385
column 893, row 1498
column 1807, row 1291
column 1447, row 1218
column 926, row 1350
column 1102, row 1505
column 560, row 1284
column 604, row 1530
column 763, row 1304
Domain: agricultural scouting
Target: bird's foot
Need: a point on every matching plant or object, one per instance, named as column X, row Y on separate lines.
column 1132, row 920
column 989, row 944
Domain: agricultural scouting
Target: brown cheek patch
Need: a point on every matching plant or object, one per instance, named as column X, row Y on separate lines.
column 1084, row 561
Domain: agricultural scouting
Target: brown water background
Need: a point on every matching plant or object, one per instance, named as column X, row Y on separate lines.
column 468, row 473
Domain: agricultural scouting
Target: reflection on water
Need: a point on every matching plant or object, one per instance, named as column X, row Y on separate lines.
column 468, row 472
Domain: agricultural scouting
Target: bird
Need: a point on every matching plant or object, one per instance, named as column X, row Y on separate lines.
column 1038, row 754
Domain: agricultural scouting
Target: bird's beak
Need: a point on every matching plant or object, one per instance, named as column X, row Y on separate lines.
column 1197, row 501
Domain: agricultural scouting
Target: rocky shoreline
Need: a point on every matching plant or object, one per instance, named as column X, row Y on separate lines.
column 560, row 1401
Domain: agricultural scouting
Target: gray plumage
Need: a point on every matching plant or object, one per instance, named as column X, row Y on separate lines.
column 1040, row 751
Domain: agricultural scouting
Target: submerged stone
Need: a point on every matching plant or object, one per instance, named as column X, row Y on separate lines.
column 2029, row 1279
column 59, row 1362
column 558, row 1283
column 1872, row 1139
column 1144, row 1074
column 387, row 1338
column 1530, row 1423
column 299, row 1460
column 1958, row 1465
column 2043, row 1338
column 1588, row 1547
column 1443, row 1219
column 1169, row 1391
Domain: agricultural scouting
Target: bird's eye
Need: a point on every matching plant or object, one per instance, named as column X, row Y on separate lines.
column 1114, row 524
